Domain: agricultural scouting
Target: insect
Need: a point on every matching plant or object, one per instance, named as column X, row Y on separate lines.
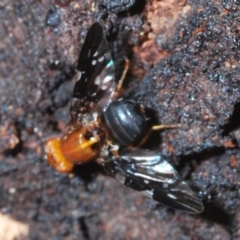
column 107, row 130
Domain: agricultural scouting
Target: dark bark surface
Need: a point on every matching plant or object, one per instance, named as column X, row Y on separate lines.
column 184, row 65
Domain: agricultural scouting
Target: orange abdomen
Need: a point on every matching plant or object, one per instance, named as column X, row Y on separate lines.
column 76, row 146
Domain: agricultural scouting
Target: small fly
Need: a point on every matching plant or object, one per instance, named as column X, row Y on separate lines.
column 111, row 131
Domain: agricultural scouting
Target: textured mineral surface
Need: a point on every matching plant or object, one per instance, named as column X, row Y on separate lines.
column 185, row 66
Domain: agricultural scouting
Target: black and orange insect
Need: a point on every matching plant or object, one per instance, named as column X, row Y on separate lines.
column 110, row 131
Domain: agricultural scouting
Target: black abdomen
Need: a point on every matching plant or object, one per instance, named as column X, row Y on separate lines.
column 125, row 122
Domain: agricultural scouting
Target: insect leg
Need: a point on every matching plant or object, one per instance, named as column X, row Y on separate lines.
column 165, row 126
column 157, row 128
column 120, row 83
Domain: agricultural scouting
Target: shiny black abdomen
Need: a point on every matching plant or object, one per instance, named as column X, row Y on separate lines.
column 125, row 122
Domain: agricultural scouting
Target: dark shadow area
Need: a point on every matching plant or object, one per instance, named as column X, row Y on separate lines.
column 120, row 50
column 152, row 143
column 154, row 138
column 215, row 214
column 198, row 158
column 233, row 122
column 84, row 228
column 211, row 212
column 87, row 171
column 138, row 7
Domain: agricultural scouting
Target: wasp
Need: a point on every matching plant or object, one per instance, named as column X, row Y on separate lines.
column 111, row 131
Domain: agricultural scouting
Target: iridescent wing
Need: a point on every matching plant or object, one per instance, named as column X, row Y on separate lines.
column 95, row 87
column 148, row 172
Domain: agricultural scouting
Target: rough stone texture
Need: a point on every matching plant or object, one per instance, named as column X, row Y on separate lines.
column 189, row 55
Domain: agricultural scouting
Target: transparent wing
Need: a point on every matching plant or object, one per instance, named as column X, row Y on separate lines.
column 148, row 172
column 96, row 84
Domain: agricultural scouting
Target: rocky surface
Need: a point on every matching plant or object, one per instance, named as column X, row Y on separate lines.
column 184, row 65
